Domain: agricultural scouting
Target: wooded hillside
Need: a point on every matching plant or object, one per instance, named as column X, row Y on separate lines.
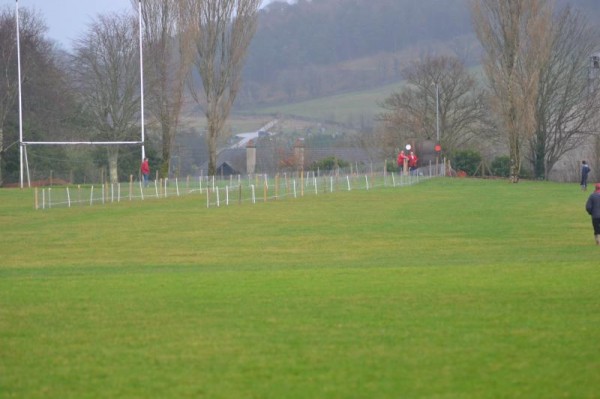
column 316, row 48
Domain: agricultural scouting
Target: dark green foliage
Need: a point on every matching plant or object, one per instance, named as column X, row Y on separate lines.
column 329, row 163
column 501, row 166
column 467, row 160
column 391, row 166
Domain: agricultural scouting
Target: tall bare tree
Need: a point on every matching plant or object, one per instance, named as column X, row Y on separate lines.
column 221, row 31
column 568, row 104
column 411, row 113
column 515, row 36
column 167, row 62
column 106, row 72
column 33, row 47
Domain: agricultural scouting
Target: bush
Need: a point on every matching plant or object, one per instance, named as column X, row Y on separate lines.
column 467, row 161
column 501, row 166
column 329, row 163
column 392, row 167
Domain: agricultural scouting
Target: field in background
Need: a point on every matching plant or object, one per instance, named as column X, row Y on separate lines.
column 355, row 108
column 346, row 108
column 350, row 109
column 450, row 288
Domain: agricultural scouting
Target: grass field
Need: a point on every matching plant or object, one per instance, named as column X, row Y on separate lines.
column 452, row 288
column 340, row 108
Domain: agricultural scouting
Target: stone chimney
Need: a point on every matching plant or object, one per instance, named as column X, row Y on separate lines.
column 299, row 153
column 250, row 157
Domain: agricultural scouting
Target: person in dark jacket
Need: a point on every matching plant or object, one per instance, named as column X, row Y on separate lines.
column 592, row 206
column 585, row 171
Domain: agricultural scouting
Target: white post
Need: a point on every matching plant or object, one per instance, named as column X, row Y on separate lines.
column 253, row 194
column 27, row 166
column 166, row 178
column 348, row 180
column 20, row 93
column 227, row 195
column 141, row 78
column 156, row 188
column 49, row 197
column 218, row 198
column 331, row 183
column 315, row 183
column 295, row 188
column 393, row 180
column 43, row 198
column 68, row 198
column 177, row 186
column 118, row 192
column 367, row 181
column 92, row 196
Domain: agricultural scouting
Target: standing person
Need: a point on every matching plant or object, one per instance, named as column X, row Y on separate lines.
column 585, row 171
column 412, row 161
column 401, row 158
column 592, row 206
column 145, row 169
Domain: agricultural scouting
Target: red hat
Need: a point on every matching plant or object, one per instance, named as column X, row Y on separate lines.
column 597, row 186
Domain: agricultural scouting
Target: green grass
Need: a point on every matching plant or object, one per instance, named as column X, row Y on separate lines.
column 342, row 108
column 353, row 107
column 446, row 289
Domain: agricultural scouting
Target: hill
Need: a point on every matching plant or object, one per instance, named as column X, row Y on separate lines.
column 318, row 48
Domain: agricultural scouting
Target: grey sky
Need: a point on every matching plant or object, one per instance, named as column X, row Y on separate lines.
column 67, row 19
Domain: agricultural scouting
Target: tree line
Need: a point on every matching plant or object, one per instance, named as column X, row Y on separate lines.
column 540, row 97
column 537, row 98
column 93, row 93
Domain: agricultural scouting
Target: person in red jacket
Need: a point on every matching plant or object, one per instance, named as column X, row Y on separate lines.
column 401, row 158
column 145, row 169
column 412, row 161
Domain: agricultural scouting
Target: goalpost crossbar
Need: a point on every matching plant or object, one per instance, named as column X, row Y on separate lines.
column 23, row 144
column 82, row 142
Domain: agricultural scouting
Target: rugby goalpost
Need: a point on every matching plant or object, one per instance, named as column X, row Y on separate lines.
column 23, row 143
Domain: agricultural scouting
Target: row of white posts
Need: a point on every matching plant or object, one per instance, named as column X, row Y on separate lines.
column 110, row 193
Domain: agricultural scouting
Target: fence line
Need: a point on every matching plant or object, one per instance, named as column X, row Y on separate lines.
column 218, row 191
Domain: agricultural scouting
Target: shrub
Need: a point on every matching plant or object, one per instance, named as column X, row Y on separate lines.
column 329, row 163
column 467, row 161
column 501, row 166
column 392, row 167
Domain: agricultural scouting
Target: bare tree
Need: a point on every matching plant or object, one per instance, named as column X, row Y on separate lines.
column 568, row 103
column 34, row 48
column 444, row 80
column 106, row 73
column 221, row 31
column 167, row 62
column 515, row 36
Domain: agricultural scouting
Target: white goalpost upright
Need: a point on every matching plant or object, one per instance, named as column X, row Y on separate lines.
column 20, row 93
column 141, row 75
column 23, row 144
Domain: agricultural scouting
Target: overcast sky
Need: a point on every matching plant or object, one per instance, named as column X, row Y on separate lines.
column 67, row 19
